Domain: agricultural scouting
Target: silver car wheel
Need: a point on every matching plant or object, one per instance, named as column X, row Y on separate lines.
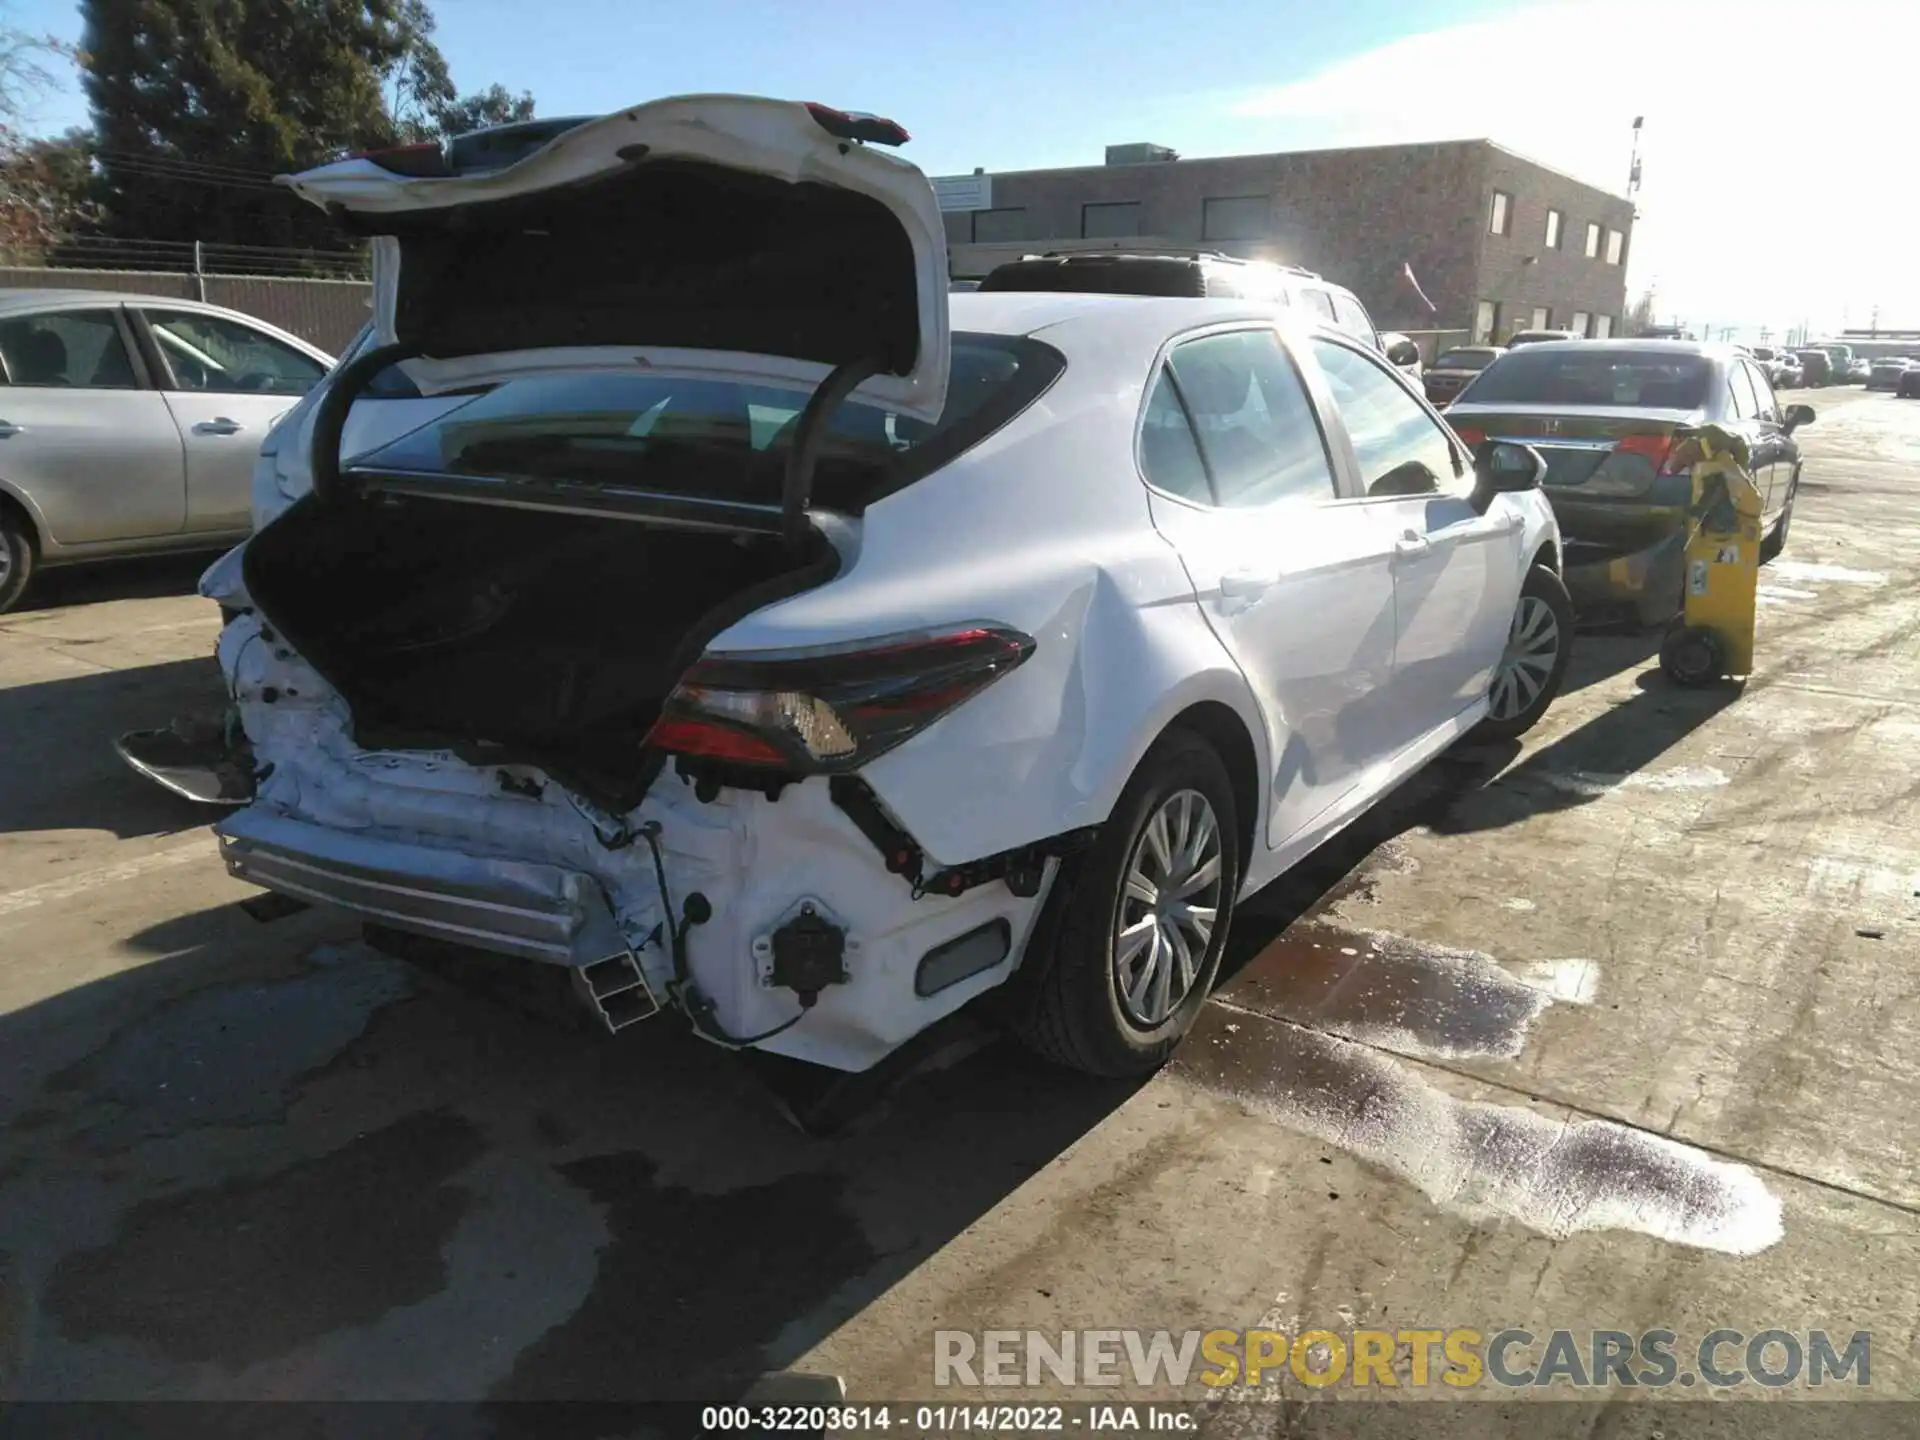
column 1168, row 906
column 1533, row 645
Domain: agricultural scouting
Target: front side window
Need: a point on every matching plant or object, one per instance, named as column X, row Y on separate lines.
column 74, row 349
column 1400, row 448
column 211, row 353
column 1248, row 411
column 1763, row 392
column 1745, row 404
column 1110, row 222
column 1500, row 213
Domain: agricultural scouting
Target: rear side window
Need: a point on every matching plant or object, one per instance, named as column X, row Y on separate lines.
column 1243, row 409
column 1350, row 317
column 1746, row 404
column 71, row 349
column 1320, row 304
column 718, row 436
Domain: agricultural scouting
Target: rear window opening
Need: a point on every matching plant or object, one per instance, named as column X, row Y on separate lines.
column 1100, row 275
column 1590, row 375
column 714, row 439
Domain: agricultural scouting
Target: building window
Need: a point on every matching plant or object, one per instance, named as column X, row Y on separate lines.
column 992, row 227
column 1486, row 319
column 1616, row 241
column 1580, row 322
column 1542, row 318
column 1554, row 222
column 1110, row 222
column 1236, row 217
column 1602, row 326
column 1500, row 216
column 1593, row 240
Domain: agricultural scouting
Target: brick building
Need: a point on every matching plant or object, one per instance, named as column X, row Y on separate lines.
column 1497, row 242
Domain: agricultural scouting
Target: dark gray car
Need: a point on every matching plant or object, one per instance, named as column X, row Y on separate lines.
column 1605, row 415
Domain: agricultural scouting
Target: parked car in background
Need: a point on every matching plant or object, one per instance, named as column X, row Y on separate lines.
column 1605, row 415
column 1200, row 273
column 801, row 621
column 1452, row 371
column 1839, row 357
column 1816, row 367
column 1858, row 369
column 129, row 424
column 1885, row 372
column 1907, row 387
column 1786, row 371
column 1540, row 337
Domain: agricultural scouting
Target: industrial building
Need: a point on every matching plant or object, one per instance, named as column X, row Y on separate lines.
column 1496, row 242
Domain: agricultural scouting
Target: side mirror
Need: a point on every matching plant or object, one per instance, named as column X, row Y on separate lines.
column 1401, row 350
column 1798, row 415
column 1501, row 467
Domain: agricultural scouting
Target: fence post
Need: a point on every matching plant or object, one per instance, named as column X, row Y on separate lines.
column 199, row 275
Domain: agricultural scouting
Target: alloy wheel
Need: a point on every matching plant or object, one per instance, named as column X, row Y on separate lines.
column 1533, row 644
column 1169, row 903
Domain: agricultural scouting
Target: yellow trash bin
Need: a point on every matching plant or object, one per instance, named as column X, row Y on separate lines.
column 1713, row 637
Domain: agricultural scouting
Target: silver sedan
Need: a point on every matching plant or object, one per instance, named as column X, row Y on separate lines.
column 129, row 424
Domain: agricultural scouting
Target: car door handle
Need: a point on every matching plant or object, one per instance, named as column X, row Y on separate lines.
column 219, row 425
column 8, row 428
column 1412, row 545
column 1245, row 585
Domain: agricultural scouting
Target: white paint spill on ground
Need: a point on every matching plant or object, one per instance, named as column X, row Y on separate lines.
column 1804, row 570
column 1598, row 782
column 1518, row 903
column 1483, row 1161
column 1570, row 981
column 1781, row 592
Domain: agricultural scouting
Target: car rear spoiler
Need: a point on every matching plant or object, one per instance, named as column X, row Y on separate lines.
column 330, row 484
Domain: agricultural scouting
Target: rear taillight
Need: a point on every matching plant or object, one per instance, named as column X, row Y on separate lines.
column 1469, row 436
column 424, row 161
column 1657, row 448
column 828, row 711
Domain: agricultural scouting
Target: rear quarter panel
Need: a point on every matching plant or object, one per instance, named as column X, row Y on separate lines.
column 1045, row 527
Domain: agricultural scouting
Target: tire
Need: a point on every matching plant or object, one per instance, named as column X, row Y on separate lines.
column 16, row 559
column 1542, row 618
column 1077, row 1015
column 1775, row 539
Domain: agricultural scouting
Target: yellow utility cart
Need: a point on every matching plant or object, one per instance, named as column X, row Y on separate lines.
column 1713, row 637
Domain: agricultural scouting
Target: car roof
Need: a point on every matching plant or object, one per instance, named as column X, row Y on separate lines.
column 1116, row 318
column 13, row 302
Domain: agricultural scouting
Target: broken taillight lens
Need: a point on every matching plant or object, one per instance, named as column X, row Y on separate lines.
column 1469, row 436
column 833, row 710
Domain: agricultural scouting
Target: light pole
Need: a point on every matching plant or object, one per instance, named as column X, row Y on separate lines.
column 1633, row 170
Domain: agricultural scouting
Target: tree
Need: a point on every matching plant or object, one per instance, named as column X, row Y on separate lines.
column 495, row 105
column 198, row 104
column 43, row 183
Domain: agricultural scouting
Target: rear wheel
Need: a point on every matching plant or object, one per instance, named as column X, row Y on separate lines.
column 1138, row 922
column 1539, row 644
column 16, row 559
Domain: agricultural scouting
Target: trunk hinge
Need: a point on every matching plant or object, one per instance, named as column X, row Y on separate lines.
column 796, row 489
column 330, row 416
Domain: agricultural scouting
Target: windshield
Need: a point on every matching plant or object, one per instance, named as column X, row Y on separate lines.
column 1465, row 360
column 664, row 432
column 1594, row 375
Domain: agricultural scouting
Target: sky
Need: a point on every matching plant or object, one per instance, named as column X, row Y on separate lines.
column 1775, row 185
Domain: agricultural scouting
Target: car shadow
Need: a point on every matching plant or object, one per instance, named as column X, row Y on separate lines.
column 147, row 578
column 316, row 1171
column 61, row 771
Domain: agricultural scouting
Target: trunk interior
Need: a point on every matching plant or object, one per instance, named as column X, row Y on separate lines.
column 509, row 634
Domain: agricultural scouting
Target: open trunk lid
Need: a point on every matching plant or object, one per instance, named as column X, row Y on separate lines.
column 725, row 235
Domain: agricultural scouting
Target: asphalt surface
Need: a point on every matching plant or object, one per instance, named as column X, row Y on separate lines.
column 1614, row 1028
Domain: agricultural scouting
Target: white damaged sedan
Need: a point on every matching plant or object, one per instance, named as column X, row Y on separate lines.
column 758, row 631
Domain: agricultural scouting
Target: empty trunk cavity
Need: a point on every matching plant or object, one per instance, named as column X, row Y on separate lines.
column 508, row 634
